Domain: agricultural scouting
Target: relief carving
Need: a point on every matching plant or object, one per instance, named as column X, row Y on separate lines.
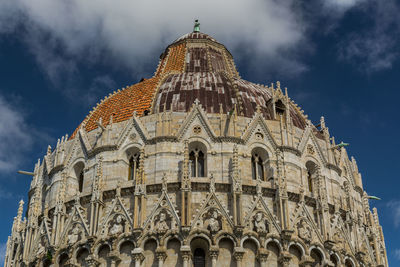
column 212, row 221
column 304, row 231
column 74, row 235
column 161, row 225
column 260, row 223
column 118, row 226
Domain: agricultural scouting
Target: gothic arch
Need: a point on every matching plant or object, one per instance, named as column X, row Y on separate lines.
column 260, row 163
column 198, row 158
column 74, row 172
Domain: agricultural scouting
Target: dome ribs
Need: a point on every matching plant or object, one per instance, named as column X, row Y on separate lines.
column 121, row 105
column 195, row 66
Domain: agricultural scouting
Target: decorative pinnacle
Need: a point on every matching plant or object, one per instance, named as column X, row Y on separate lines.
column 196, row 27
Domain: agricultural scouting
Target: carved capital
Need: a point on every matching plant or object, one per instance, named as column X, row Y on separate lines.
column 285, row 258
column 92, row 261
column 214, row 251
column 238, row 253
column 263, row 255
column 161, row 254
column 114, row 256
column 138, row 255
column 186, row 253
column 306, row 261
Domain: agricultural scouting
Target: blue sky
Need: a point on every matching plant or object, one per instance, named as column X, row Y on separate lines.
column 338, row 58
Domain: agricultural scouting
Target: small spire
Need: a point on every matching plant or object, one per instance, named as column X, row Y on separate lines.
column 196, row 27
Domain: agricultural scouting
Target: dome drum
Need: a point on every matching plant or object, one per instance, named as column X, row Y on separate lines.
column 218, row 171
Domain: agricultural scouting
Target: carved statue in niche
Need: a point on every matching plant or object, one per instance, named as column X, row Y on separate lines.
column 161, row 225
column 73, row 237
column 260, row 224
column 213, row 224
column 41, row 247
column 117, row 227
column 304, row 231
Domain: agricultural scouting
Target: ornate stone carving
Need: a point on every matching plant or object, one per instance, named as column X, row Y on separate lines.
column 304, row 230
column 74, row 235
column 41, row 247
column 212, row 222
column 197, row 129
column 260, row 223
column 117, row 226
column 310, row 149
column 161, row 225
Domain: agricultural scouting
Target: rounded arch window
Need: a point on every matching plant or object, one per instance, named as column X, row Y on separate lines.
column 197, row 159
column 133, row 155
column 260, row 164
column 80, row 175
column 279, row 107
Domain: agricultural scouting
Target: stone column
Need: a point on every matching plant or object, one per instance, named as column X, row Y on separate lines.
column 138, row 256
column 161, row 255
column 285, row 258
column 92, row 261
column 238, row 253
column 263, row 256
column 306, row 261
column 114, row 257
column 214, row 255
column 186, row 254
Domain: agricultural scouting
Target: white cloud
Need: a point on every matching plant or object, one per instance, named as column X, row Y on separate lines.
column 3, row 248
column 16, row 136
column 394, row 206
column 397, row 254
column 375, row 48
column 132, row 33
column 341, row 5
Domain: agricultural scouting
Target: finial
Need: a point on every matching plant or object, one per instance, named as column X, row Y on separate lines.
column 196, row 27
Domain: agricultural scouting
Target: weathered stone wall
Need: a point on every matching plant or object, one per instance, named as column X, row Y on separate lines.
column 233, row 219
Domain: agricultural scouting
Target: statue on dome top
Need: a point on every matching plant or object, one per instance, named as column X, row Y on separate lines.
column 196, row 27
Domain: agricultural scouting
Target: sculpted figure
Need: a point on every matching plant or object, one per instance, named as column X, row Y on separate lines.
column 117, row 227
column 162, row 226
column 40, row 248
column 259, row 223
column 213, row 223
column 73, row 236
column 304, row 231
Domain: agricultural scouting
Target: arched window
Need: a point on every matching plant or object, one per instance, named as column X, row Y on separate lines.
column 79, row 174
column 133, row 166
column 196, row 157
column 80, row 181
column 309, row 181
column 311, row 171
column 259, row 166
column 199, row 258
column 279, row 108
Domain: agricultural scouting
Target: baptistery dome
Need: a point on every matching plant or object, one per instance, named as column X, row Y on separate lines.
column 197, row 167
